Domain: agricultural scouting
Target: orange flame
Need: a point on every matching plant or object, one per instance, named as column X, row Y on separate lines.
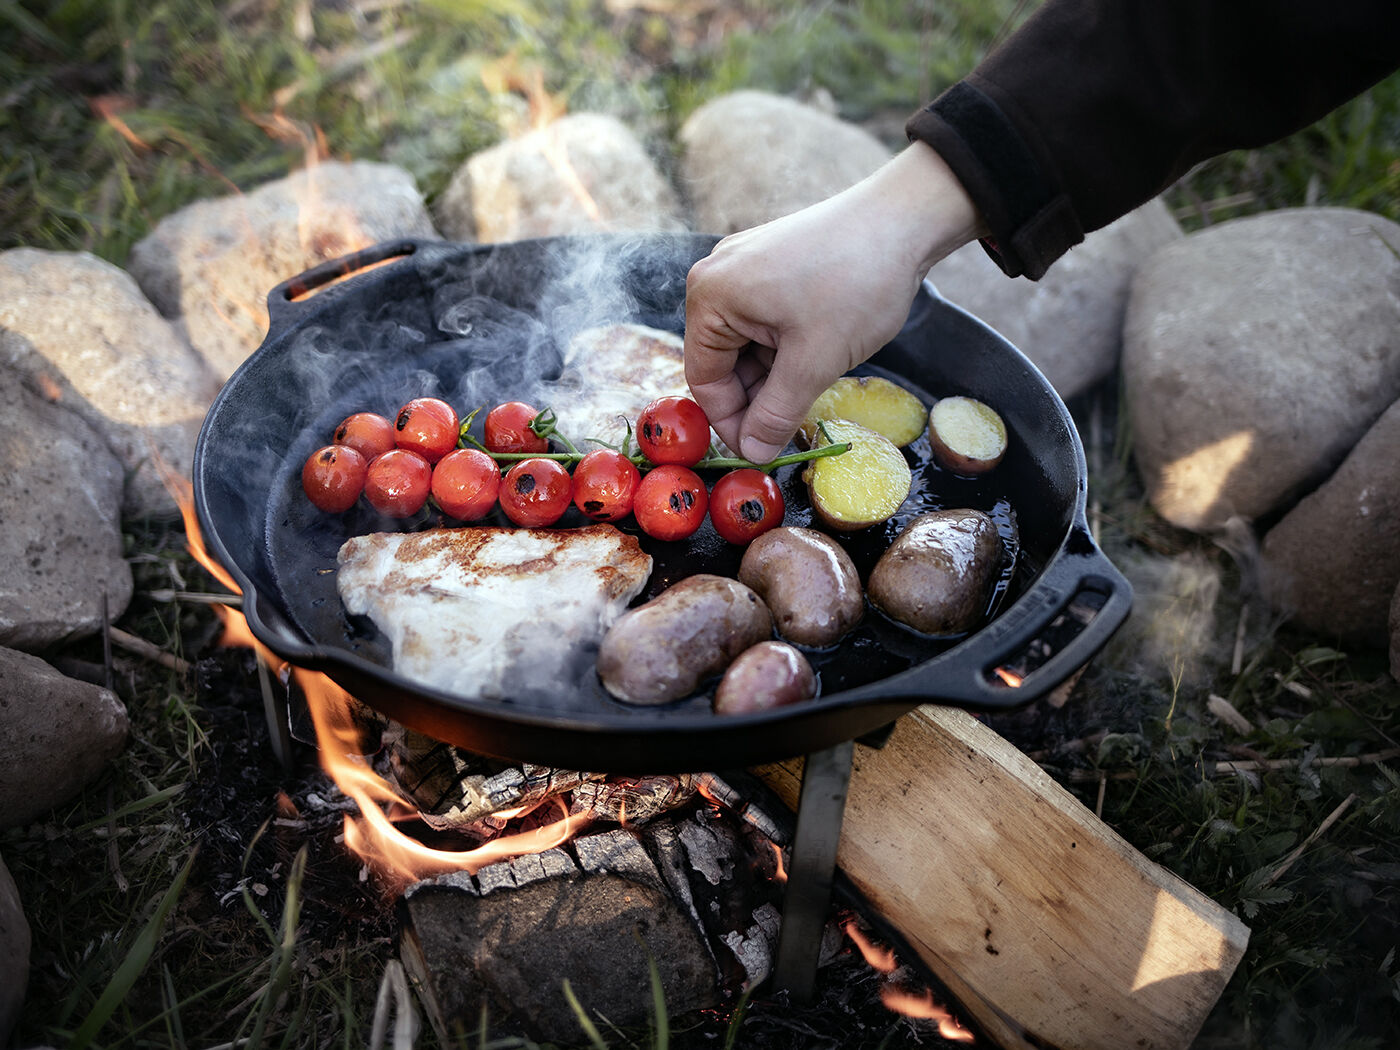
column 781, row 874
column 877, row 958
column 396, row 857
column 923, row 1006
column 1009, row 676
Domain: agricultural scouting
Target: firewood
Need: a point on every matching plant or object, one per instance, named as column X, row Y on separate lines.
column 1049, row 928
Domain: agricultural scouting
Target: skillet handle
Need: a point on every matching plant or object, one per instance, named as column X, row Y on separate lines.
column 970, row 679
column 288, row 300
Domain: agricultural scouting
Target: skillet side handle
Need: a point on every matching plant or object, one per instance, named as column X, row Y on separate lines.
column 289, row 299
column 972, row 681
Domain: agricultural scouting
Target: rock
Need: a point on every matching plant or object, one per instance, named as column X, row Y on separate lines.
column 748, row 157
column 1395, row 635
column 82, row 329
column 14, row 954
column 61, row 544
column 1255, row 355
column 1069, row 323
column 56, row 734
column 213, row 263
column 584, row 173
column 1333, row 562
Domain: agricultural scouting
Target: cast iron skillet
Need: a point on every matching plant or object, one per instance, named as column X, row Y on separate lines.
column 480, row 324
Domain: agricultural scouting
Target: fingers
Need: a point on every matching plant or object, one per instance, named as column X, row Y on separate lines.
column 778, row 403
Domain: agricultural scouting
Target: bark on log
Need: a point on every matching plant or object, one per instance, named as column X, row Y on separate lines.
column 1048, row 927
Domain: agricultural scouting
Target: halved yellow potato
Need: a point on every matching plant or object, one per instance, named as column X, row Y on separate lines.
column 872, row 401
column 862, row 486
column 967, row 436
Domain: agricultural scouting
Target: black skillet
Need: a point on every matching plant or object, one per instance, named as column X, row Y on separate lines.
column 480, row 324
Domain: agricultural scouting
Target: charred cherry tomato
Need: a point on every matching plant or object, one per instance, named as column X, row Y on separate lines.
column 465, row 483
column 368, row 433
column 605, row 483
column 333, row 478
column 536, row 492
column 397, row 483
column 507, row 429
column 745, row 504
column 428, row 426
column 673, row 430
column 670, row 502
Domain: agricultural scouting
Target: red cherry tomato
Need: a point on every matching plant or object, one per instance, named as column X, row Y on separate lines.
column 333, row 478
column 536, row 492
column 673, row 430
column 670, row 502
column 428, row 426
column 745, row 504
column 368, row 433
column 605, row 483
column 507, row 429
column 397, row 483
column 465, row 483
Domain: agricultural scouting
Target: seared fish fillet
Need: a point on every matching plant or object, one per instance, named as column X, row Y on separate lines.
column 610, row 374
column 493, row 613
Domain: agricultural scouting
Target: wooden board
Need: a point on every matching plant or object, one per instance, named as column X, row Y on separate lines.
column 1050, row 928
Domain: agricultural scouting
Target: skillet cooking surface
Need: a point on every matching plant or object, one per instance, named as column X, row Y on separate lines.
column 479, row 325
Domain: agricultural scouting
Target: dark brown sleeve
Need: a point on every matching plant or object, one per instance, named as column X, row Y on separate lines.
column 1095, row 106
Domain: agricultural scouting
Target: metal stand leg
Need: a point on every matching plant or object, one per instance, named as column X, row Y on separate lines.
column 278, row 720
column 825, row 780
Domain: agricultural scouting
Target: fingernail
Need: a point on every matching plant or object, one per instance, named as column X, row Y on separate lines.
column 757, row 451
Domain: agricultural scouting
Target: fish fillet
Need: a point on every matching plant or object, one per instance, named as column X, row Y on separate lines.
column 493, row 613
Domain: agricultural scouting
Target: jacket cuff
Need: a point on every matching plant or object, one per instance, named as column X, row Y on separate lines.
column 1032, row 221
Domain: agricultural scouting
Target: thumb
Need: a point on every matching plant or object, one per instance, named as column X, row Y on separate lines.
column 777, row 407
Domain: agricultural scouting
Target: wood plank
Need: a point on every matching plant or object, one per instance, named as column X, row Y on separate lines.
column 1050, row 928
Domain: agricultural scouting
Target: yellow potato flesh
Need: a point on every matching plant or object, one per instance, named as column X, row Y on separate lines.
column 966, row 435
column 872, row 401
column 864, row 485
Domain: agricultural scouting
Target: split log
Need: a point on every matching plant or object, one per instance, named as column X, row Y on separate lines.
column 1049, row 928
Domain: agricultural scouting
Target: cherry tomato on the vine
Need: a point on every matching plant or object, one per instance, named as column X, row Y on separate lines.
column 333, row 478
column 428, row 426
column 670, row 502
column 397, row 483
column 744, row 504
column 605, row 483
column 465, row 483
column 673, row 430
column 368, row 433
column 536, row 492
column 507, row 429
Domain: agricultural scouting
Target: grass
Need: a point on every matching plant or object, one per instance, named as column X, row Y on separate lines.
column 174, row 905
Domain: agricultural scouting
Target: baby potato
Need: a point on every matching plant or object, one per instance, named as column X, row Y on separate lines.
column 808, row 582
column 872, row 401
column 937, row 575
column 661, row 651
column 770, row 674
column 862, row 486
column 967, row 436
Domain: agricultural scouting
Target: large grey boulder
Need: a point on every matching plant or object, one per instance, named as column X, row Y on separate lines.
column 1333, row 562
column 60, row 508
column 1255, row 355
column 82, row 330
column 749, row 157
column 56, row 735
column 213, row 263
column 14, row 954
column 583, row 173
column 1070, row 322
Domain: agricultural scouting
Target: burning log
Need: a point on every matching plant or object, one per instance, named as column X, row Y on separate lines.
column 1047, row 926
column 694, row 896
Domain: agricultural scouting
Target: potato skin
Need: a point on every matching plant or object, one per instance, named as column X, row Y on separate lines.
column 966, row 436
column 937, row 575
column 661, row 651
column 767, row 675
column 808, row 582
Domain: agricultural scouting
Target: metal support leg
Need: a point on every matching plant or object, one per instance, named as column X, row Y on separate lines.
column 278, row 718
column 825, row 779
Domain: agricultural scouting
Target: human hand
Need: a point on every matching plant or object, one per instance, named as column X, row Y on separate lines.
column 775, row 314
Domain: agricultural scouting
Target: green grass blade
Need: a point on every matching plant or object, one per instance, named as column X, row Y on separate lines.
column 132, row 966
column 595, row 1038
column 658, row 1005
